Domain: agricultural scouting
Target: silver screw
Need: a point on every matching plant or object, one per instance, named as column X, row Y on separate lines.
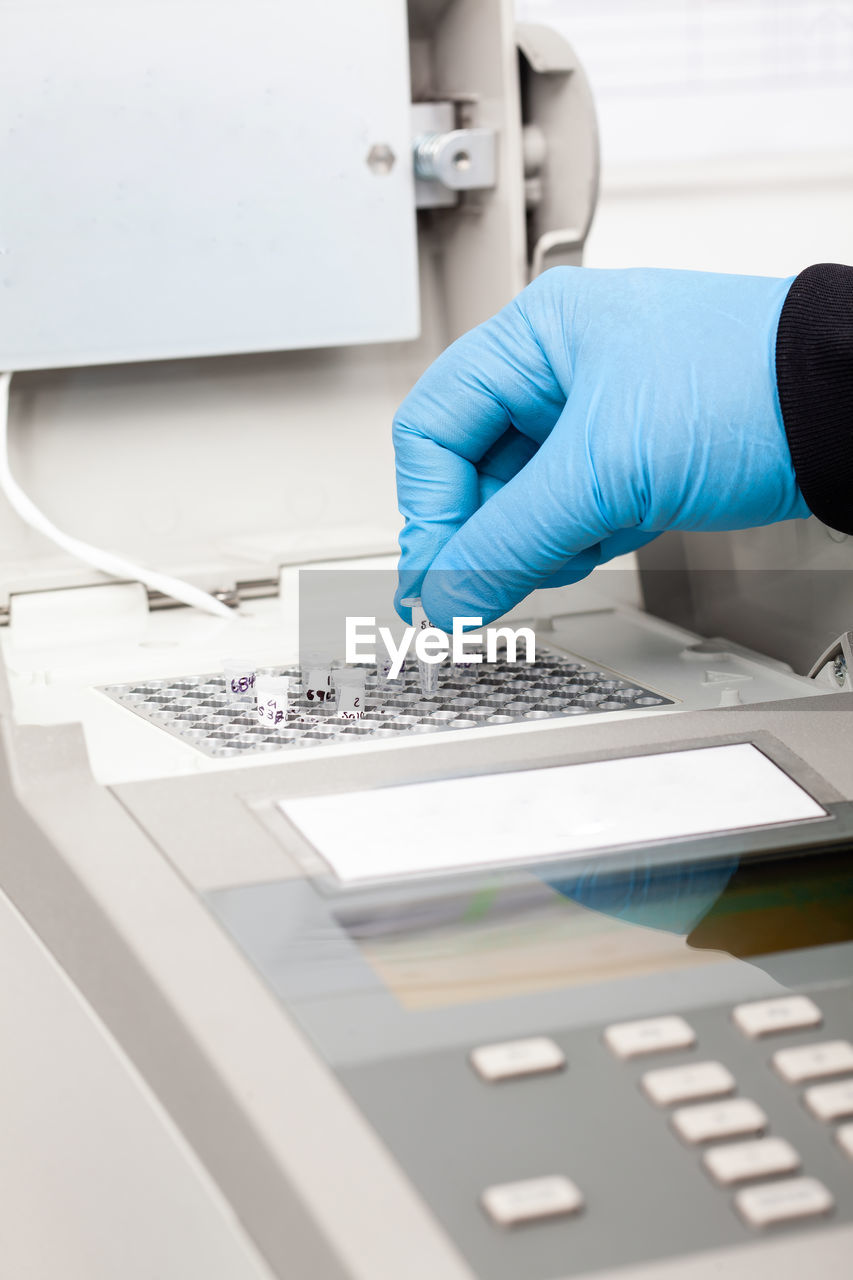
column 380, row 159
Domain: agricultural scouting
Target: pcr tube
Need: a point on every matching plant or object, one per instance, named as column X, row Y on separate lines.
column 349, row 693
column 239, row 678
column 317, row 678
column 273, row 694
column 427, row 671
column 383, row 669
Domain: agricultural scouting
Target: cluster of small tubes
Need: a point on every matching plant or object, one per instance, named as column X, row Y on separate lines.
column 246, row 708
column 275, row 695
column 278, row 698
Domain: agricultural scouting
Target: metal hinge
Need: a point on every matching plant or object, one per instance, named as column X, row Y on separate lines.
column 834, row 667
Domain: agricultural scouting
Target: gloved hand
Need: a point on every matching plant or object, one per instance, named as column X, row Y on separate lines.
column 596, row 410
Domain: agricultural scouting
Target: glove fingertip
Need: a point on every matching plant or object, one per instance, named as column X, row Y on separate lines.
column 458, row 593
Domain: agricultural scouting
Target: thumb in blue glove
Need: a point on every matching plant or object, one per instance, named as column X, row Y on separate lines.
column 596, row 410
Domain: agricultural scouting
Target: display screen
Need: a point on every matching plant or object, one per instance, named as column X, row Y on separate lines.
column 530, row 935
column 492, row 819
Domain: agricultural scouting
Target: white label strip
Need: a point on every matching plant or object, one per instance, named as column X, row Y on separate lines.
column 537, row 813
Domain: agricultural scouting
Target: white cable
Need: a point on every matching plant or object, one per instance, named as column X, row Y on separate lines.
column 106, row 561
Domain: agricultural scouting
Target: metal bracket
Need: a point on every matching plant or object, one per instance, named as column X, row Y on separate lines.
column 834, row 667
column 448, row 160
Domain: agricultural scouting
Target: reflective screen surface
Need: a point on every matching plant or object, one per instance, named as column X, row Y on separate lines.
column 499, row 940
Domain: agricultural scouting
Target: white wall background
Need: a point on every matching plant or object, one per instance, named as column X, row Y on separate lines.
column 726, row 129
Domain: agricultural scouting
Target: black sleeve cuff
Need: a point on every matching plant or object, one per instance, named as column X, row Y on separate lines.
column 814, row 373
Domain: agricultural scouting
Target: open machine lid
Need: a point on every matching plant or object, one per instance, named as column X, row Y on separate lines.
column 251, row 188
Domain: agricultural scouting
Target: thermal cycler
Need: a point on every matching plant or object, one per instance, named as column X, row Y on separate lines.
column 276, row 1004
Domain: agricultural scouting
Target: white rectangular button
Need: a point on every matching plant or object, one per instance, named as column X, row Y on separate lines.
column 812, row 1061
column 844, row 1138
column 830, row 1101
column 651, row 1035
column 740, row 1161
column 515, row 1202
column 783, row 1201
column 787, row 1013
column 668, row 1085
column 517, row 1058
column 719, row 1120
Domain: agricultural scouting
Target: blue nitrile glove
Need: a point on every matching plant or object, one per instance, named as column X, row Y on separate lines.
column 596, row 410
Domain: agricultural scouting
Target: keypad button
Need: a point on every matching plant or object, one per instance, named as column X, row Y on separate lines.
column 651, row 1035
column 512, row 1203
column 719, row 1120
column 783, row 1201
column 830, row 1101
column 669, row 1085
column 517, row 1058
column 844, row 1138
column 812, row 1061
column 740, row 1161
column 788, row 1013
